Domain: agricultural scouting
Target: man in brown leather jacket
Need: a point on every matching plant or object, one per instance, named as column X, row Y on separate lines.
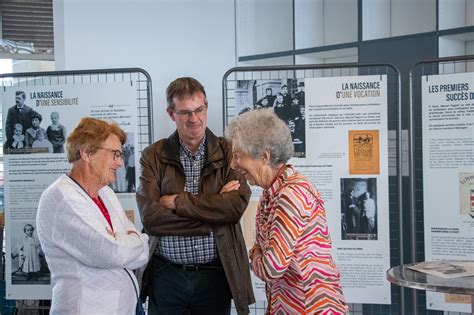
column 191, row 202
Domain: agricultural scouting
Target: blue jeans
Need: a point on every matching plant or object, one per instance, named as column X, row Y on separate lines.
column 175, row 290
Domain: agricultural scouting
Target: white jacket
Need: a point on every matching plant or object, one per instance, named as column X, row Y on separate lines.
column 86, row 263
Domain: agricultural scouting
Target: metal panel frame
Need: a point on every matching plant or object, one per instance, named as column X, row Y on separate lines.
column 137, row 76
column 394, row 123
column 457, row 64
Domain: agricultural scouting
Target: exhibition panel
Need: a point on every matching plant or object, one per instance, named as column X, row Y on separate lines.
column 344, row 121
column 442, row 169
column 39, row 110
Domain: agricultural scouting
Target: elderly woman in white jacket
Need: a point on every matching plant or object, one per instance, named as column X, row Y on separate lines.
column 90, row 245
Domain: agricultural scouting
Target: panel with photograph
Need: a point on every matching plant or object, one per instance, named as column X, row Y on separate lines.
column 285, row 97
column 28, row 261
column 358, row 208
column 125, row 175
column 23, row 131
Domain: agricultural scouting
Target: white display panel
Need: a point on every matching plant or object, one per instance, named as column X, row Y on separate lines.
column 28, row 171
column 448, row 175
column 343, row 149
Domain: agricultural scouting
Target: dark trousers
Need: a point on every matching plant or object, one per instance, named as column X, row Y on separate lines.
column 181, row 290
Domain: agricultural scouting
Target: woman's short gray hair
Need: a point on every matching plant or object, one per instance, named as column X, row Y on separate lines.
column 259, row 130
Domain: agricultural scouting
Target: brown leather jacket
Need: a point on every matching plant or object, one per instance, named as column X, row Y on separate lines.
column 163, row 174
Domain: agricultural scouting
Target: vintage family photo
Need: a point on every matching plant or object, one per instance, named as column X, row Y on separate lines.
column 286, row 97
column 125, row 182
column 28, row 260
column 26, row 130
column 359, row 208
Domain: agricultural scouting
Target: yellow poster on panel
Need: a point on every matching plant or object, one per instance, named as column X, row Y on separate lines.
column 364, row 155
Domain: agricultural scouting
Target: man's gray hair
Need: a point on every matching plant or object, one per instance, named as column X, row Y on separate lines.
column 260, row 130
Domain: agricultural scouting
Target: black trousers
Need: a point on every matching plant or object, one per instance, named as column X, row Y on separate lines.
column 186, row 289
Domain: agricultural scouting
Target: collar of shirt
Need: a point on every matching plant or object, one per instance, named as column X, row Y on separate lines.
column 284, row 172
column 199, row 153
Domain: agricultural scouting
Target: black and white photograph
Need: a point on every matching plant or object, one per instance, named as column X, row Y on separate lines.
column 286, row 97
column 358, row 208
column 28, row 261
column 125, row 182
column 28, row 130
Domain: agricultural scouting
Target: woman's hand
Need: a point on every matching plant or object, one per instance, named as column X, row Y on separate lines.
column 167, row 201
column 255, row 251
column 132, row 232
column 230, row 186
column 109, row 230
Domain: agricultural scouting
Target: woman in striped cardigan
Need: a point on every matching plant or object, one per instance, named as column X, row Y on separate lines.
column 292, row 251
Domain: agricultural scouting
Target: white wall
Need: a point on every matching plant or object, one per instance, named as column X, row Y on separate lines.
column 452, row 13
column 325, row 22
column 167, row 38
column 264, row 26
column 449, row 47
column 388, row 18
column 456, row 13
column 469, row 13
column 333, row 56
column 412, row 16
column 376, row 19
column 278, row 61
column 470, row 51
column 340, row 21
column 309, row 23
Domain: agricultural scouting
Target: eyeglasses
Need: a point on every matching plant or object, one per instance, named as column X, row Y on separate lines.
column 116, row 153
column 189, row 113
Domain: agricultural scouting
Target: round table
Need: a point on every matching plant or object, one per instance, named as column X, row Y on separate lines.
column 403, row 276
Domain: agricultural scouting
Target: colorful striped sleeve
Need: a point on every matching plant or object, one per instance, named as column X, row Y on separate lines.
column 291, row 214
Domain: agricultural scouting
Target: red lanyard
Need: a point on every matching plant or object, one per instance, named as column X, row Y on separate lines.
column 98, row 201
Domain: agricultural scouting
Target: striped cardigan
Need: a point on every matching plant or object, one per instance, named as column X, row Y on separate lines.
column 292, row 252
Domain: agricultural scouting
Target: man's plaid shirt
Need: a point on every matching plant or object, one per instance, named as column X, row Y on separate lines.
column 189, row 249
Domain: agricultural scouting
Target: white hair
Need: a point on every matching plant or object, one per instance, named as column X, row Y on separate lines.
column 259, row 130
